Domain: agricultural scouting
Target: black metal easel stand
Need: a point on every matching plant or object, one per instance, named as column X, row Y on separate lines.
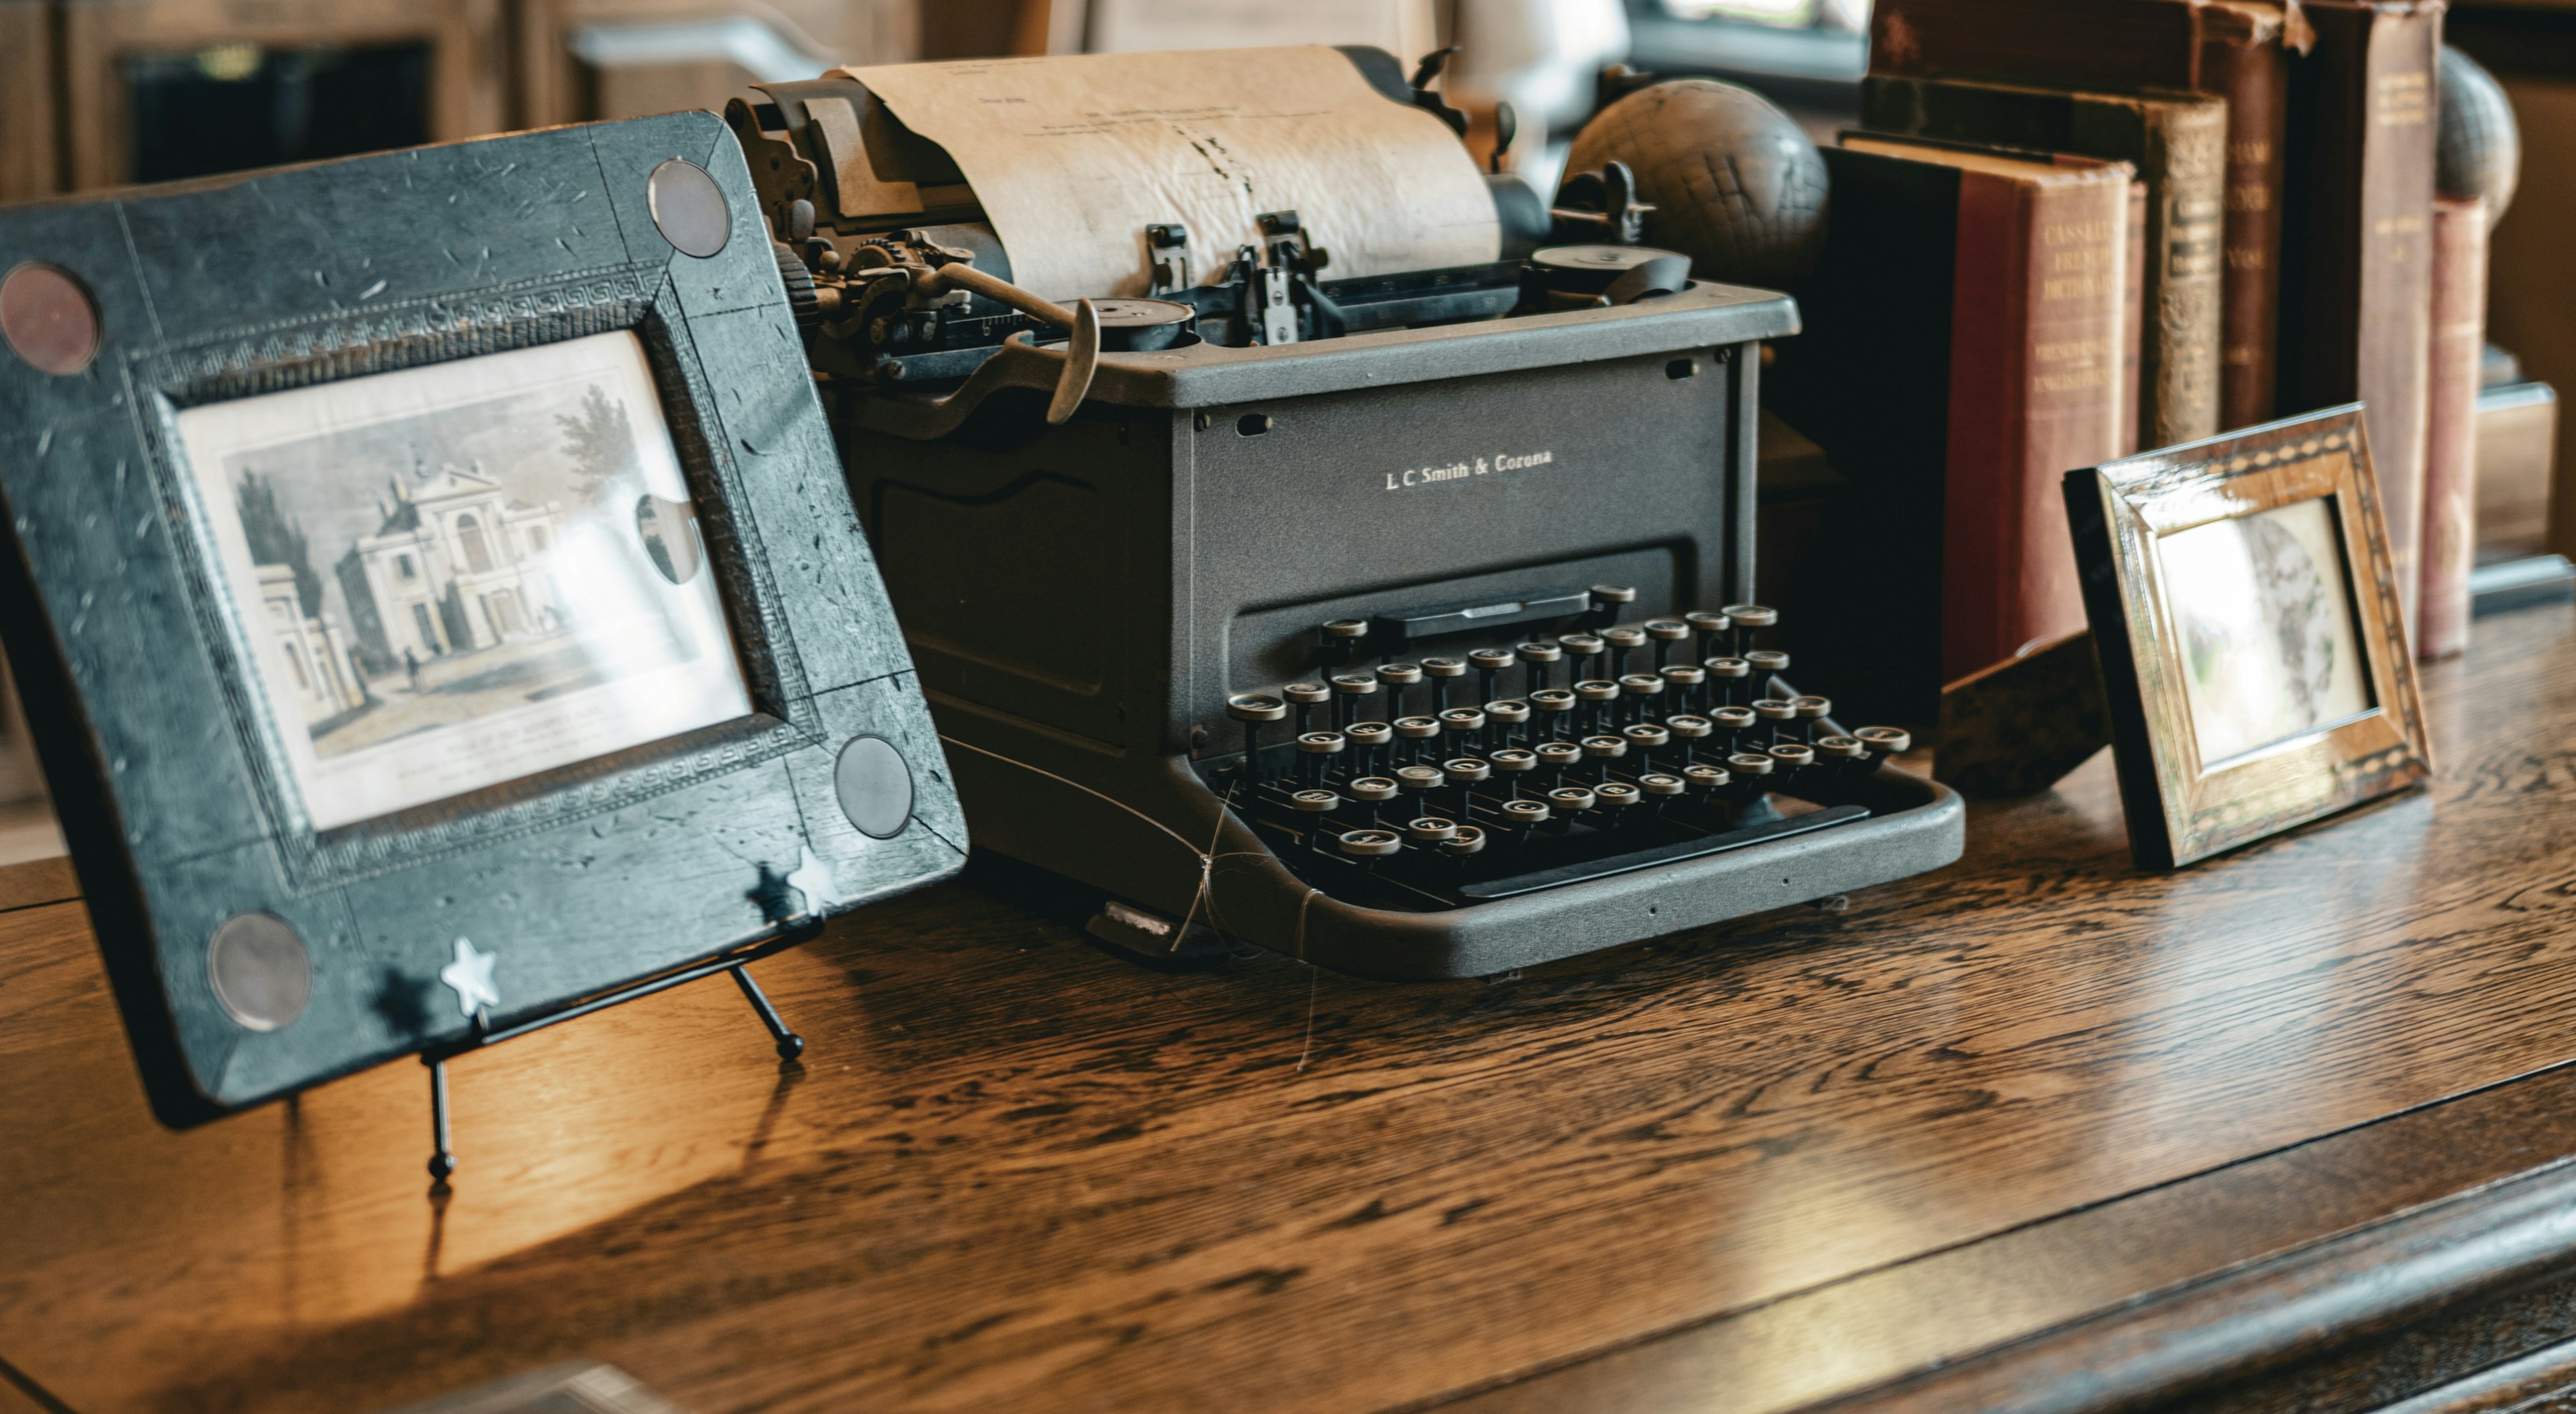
column 442, row 1163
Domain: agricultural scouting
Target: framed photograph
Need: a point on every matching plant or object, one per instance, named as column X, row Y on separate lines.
column 2246, row 618
column 393, row 602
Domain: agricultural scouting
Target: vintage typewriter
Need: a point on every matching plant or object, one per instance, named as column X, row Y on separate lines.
column 1398, row 622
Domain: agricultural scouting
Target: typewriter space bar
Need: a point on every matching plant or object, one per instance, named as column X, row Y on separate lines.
column 1492, row 889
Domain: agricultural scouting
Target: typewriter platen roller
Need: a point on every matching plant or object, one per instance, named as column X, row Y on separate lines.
column 1398, row 623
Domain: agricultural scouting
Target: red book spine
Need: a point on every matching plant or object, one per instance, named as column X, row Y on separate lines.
column 2035, row 373
column 2451, row 424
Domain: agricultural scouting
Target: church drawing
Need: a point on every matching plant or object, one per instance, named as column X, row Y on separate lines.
column 457, row 565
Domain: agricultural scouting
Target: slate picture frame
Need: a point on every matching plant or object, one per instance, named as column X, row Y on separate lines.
column 2244, row 605
column 165, row 760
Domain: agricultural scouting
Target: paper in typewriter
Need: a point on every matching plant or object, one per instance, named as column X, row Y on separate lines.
column 1074, row 156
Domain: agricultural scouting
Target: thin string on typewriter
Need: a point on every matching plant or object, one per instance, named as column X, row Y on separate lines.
column 1207, row 858
column 1207, row 882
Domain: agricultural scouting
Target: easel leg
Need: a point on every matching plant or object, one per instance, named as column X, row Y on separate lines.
column 443, row 1162
column 790, row 1045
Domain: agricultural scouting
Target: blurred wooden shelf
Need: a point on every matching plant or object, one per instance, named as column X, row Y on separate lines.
column 2288, row 1130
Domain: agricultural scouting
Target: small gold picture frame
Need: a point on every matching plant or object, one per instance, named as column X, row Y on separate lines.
column 2246, row 618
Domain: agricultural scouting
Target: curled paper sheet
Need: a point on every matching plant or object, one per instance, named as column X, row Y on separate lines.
column 1072, row 157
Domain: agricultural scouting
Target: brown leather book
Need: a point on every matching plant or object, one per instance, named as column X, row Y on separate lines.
column 2357, row 238
column 2032, row 330
column 2230, row 49
column 2177, row 142
column 2451, row 430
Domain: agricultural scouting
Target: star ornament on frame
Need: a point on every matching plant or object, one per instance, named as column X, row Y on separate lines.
column 470, row 977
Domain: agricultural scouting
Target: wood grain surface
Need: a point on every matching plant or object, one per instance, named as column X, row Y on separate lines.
column 1013, row 1172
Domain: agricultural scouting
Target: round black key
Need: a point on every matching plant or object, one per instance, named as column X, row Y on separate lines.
column 1489, row 664
column 1551, row 704
column 1623, row 643
column 1418, row 781
column 1748, row 620
column 1728, row 679
column 1305, row 697
column 1440, row 673
column 1569, row 800
column 1315, row 753
column 1752, row 772
column 1664, row 633
column 1511, row 763
column 1369, row 739
column 1791, row 756
column 1582, row 653
column 1638, row 693
column 1508, row 717
column 1811, row 710
column 1525, row 814
column 1707, row 626
column 1766, row 665
column 1601, row 751
column 1776, row 713
column 1838, row 756
column 1414, row 735
column 1685, row 686
column 1348, row 689
column 1659, row 785
column 1537, row 656
column 1467, row 843
column 1395, row 678
column 1615, row 797
column 1464, row 774
column 1464, row 723
column 1372, row 793
column 1554, row 757
column 1370, row 844
column 1706, row 777
column 1645, row 739
column 1315, row 805
column 1338, row 642
column 1431, row 829
column 1689, row 729
column 1253, row 709
column 1885, row 741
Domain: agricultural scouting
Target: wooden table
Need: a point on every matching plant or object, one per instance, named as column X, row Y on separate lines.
column 2285, row 1130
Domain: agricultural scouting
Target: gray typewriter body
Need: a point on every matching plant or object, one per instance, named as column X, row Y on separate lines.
column 1085, row 597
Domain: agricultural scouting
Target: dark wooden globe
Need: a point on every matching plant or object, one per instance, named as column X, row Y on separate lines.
column 1736, row 185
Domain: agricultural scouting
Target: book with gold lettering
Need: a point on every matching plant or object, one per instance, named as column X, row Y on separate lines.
column 2357, row 242
column 2178, row 143
column 2235, row 50
column 1963, row 350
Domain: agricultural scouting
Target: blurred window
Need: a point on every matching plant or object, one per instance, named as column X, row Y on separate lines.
column 235, row 106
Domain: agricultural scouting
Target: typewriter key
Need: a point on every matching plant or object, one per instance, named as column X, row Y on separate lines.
column 1417, row 783
column 1465, row 724
column 1315, row 753
column 1348, row 689
column 1689, row 729
column 1524, row 816
column 1748, row 619
column 1788, row 759
column 1613, row 799
column 1314, row 805
column 1511, row 763
column 1607, row 601
column 1464, row 774
column 1663, row 793
column 1811, row 710
column 1637, row 696
column 1766, row 665
column 1414, row 737
column 1566, row 802
column 1537, row 656
column 1601, row 751
column 1684, row 686
column 1732, row 724
column 1338, row 643
column 1489, row 664
column 1431, row 829
column 1752, row 773
column 1666, row 633
column 1727, row 678
column 1838, row 756
column 1554, row 757
column 1372, row 792
column 1884, row 742
column 1645, row 739
column 1440, row 673
column 1707, row 780
column 1507, row 717
column 1367, row 847
column 1555, row 707
column 1305, row 696
column 1466, row 844
column 1395, row 678
column 1707, row 626
column 1623, row 644
column 1776, row 714
column 1582, row 655
column 1370, row 739
column 1253, row 709
column 1595, row 695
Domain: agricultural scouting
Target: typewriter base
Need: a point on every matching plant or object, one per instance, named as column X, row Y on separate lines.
column 1914, row 826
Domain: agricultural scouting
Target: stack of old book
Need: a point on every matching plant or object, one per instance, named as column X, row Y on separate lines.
column 2072, row 229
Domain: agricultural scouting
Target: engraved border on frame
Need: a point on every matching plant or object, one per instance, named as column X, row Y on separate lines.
column 162, row 381
column 2194, row 812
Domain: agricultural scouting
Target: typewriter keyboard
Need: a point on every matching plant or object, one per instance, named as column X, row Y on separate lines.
column 1445, row 781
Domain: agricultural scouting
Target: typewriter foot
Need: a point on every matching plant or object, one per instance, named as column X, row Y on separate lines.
column 789, row 1044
